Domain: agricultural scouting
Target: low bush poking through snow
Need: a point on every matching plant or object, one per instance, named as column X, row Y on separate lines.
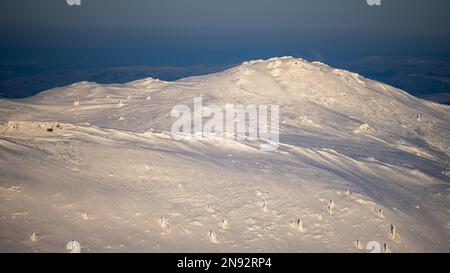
column 378, row 213
column 358, row 244
column 394, row 234
column 210, row 209
column 331, row 207
column 73, row 247
column 164, row 224
column 363, row 128
column 386, row 248
column 85, row 216
column 298, row 225
column 213, row 237
column 34, row 237
column 225, row 223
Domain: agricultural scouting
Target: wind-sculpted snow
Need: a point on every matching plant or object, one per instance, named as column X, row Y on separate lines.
column 358, row 161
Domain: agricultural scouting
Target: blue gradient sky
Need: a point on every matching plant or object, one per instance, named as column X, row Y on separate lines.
column 48, row 34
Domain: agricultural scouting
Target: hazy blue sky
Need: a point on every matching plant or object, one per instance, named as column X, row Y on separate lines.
column 192, row 32
column 228, row 27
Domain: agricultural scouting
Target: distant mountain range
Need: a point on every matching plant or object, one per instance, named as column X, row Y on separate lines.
column 427, row 78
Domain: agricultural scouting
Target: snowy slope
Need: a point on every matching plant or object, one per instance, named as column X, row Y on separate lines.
column 96, row 163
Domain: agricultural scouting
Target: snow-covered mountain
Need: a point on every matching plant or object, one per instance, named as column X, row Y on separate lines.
column 358, row 161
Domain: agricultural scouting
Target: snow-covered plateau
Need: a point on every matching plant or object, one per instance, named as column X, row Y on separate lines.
column 358, row 161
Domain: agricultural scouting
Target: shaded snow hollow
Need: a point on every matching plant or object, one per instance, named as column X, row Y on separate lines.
column 96, row 164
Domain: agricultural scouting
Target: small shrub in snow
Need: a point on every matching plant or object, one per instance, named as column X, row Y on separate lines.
column 386, row 248
column 331, row 207
column 120, row 104
column 212, row 236
column 164, row 223
column 73, row 247
column 211, row 209
column 363, row 128
column 379, row 213
column 224, row 223
column 34, row 237
column 394, row 233
column 298, row 225
column 85, row 216
column 358, row 244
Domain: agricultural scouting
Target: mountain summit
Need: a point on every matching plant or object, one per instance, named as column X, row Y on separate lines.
column 358, row 161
